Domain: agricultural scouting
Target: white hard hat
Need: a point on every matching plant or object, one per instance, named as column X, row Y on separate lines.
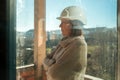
column 73, row 13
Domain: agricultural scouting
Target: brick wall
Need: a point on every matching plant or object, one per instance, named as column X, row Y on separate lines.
column 25, row 73
column 28, row 74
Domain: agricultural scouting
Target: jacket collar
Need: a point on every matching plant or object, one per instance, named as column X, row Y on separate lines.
column 67, row 40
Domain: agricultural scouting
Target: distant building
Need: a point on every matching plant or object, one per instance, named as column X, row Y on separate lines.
column 30, row 34
column 55, row 34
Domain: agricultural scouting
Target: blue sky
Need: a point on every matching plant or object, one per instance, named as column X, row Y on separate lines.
column 99, row 13
column 25, row 15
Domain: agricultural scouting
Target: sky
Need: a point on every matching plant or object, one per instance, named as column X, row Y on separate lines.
column 25, row 15
column 99, row 13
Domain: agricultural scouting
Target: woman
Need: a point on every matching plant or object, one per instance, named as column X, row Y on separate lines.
column 69, row 60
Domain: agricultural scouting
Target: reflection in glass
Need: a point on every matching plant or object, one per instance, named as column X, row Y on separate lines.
column 24, row 33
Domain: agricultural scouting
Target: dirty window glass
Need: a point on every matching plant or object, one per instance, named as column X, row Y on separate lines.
column 24, row 32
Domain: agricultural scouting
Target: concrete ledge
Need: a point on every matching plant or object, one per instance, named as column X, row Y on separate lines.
column 88, row 77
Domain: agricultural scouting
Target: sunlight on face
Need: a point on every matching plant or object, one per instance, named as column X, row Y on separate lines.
column 66, row 27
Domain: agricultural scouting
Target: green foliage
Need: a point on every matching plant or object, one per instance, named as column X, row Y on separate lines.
column 91, row 49
column 102, row 48
column 48, row 50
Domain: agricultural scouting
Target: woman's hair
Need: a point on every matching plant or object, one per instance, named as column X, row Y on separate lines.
column 76, row 32
column 76, row 28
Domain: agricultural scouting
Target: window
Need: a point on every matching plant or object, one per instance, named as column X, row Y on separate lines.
column 24, row 32
column 24, row 39
column 100, row 33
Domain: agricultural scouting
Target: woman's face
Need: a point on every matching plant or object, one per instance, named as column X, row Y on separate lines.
column 65, row 27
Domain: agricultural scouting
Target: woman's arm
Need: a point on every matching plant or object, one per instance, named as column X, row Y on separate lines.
column 72, row 60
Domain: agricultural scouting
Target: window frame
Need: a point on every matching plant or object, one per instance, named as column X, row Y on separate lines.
column 11, row 39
